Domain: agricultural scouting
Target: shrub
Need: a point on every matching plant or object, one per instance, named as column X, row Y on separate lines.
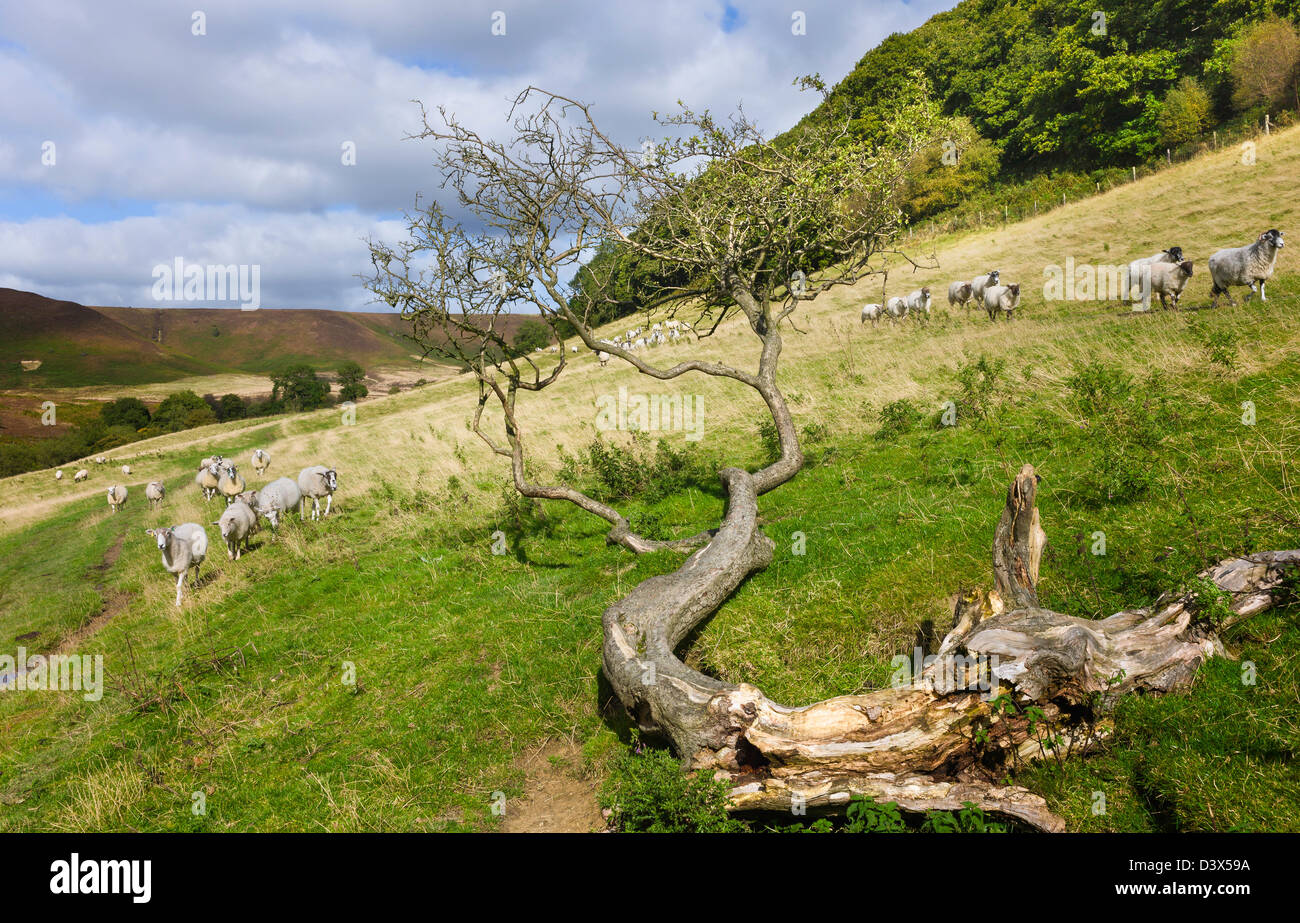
column 979, row 379
column 897, row 418
column 647, row 792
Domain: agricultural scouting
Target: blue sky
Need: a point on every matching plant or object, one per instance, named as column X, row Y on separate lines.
column 131, row 133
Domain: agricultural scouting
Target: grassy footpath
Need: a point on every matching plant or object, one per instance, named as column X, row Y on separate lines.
column 465, row 660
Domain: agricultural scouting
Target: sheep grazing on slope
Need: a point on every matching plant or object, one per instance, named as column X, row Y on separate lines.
column 58, row 475
column 231, row 484
column 236, row 524
column 918, row 303
column 154, row 492
column 603, row 357
column 81, row 475
column 1003, row 298
column 208, row 478
column 116, row 497
column 873, row 313
column 1250, row 265
column 1139, row 273
column 959, row 293
column 277, row 499
column 316, row 482
column 210, row 461
column 249, row 497
column 183, row 547
column 261, row 461
column 100, row 460
column 980, row 283
column 1168, row 281
column 126, row 469
column 897, row 308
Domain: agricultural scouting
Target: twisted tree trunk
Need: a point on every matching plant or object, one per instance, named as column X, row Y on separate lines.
column 940, row 739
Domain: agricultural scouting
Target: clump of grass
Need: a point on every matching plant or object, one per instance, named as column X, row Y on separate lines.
column 647, row 792
column 896, row 419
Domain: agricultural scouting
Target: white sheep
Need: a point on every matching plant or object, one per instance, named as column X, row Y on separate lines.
column 1166, row 280
column 277, row 499
column 208, row 478
column 959, row 293
column 980, row 283
column 100, row 460
column 80, row 475
column 58, row 475
column 897, row 308
column 603, row 357
column 116, row 497
column 918, row 302
column 261, row 461
column 236, row 524
column 126, row 469
column 154, row 492
column 316, row 482
column 1250, row 265
column 183, row 547
column 210, row 461
column 1004, row 298
column 1139, row 271
column 871, row 312
column 231, row 484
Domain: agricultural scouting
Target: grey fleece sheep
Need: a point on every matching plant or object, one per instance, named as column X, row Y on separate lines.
column 873, row 313
column 1138, row 271
column 980, row 283
column 183, row 547
column 1251, row 265
column 316, row 482
column 154, row 492
column 277, row 499
column 236, row 524
column 1168, row 281
column 959, row 293
column 1003, row 298
column 918, row 302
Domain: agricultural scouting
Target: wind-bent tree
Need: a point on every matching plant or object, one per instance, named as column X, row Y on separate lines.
column 734, row 225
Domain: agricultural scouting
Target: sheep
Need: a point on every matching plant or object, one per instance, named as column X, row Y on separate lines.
column 316, row 482
column 236, row 524
column 210, row 461
column 58, row 475
column 100, row 460
column 182, row 547
column 81, row 475
column 249, row 497
column 1168, row 281
column 1139, row 275
column 918, row 302
column 126, row 469
column 872, row 312
column 897, row 308
column 154, row 492
column 277, row 499
column 116, row 497
column 231, row 484
column 208, row 478
column 1004, row 298
column 980, row 283
column 603, row 357
column 1250, row 265
column 573, row 349
column 261, row 461
column 959, row 293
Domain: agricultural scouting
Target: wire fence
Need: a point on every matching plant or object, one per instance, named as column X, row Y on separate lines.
column 1051, row 192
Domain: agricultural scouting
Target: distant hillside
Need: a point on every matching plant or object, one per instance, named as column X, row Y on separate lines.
column 79, row 346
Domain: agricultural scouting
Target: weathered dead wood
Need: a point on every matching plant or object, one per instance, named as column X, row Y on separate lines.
column 936, row 740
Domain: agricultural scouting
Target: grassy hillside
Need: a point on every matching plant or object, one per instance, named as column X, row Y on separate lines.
column 470, row 664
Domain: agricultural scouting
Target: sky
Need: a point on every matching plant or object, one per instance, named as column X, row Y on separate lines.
column 139, row 132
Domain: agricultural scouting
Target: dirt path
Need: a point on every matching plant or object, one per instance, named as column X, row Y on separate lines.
column 114, row 601
column 557, row 799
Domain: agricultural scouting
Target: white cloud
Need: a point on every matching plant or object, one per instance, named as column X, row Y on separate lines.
column 235, row 136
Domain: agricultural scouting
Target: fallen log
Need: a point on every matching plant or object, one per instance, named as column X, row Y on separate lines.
column 1009, row 676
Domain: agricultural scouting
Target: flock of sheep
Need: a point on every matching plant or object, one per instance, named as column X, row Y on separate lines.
column 185, row 546
column 1165, row 274
column 669, row 331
